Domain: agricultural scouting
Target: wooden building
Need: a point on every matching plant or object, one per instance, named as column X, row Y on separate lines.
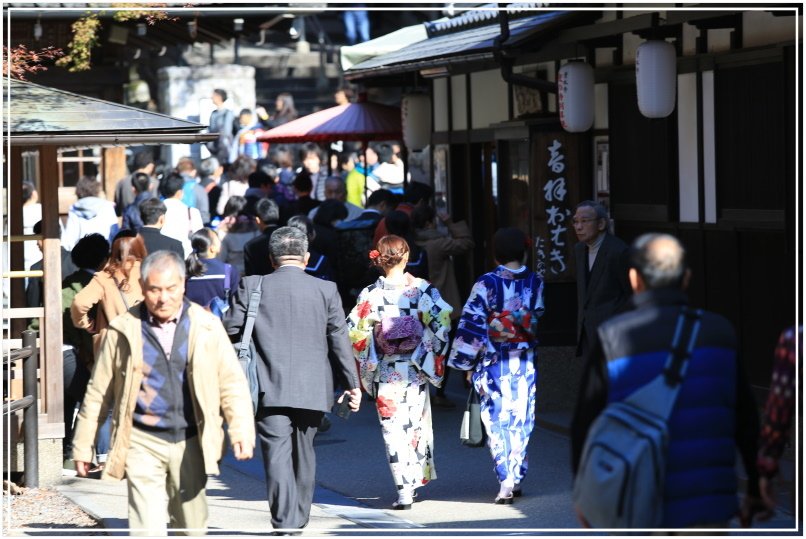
column 44, row 129
column 719, row 172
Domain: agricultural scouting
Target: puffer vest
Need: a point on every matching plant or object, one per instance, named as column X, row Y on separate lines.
column 701, row 481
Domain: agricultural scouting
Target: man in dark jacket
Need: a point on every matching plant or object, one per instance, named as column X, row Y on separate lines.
column 601, row 261
column 131, row 214
column 295, row 375
column 256, row 251
column 89, row 255
column 152, row 212
column 714, row 413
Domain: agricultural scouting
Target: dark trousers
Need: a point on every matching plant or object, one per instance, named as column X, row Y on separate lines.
column 286, row 442
column 76, row 377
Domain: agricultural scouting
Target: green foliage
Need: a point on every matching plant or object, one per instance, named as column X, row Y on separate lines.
column 85, row 36
column 86, row 29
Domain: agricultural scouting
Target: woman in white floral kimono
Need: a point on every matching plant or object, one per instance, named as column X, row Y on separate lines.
column 399, row 331
column 496, row 341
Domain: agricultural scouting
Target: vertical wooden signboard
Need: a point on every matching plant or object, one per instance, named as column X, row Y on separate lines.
column 559, row 165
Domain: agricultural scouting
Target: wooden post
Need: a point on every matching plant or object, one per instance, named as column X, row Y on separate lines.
column 16, row 260
column 113, row 161
column 51, row 328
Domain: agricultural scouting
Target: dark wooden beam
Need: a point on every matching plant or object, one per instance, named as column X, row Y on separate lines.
column 51, row 380
column 610, row 28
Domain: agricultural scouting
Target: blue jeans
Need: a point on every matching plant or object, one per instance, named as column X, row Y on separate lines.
column 356, row 24
column 102, row 440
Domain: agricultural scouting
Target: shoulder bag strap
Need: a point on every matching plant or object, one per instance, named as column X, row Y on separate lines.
column 251, row 314
column 659, row 395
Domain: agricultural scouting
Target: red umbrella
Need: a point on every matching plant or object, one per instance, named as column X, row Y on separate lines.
column 353, row 121
column 363, row 121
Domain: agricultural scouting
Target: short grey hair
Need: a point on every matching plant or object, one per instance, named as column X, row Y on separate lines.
column 598, row 207
column 208, row 167
column 660, row 260
column 162, row 260
column 288, row 242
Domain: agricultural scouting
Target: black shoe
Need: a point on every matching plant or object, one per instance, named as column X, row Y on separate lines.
column 504, row 501
column 517, row 492
column 401, row 506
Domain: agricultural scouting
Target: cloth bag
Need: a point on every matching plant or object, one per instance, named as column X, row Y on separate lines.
column 472, row 433
column 245, row 347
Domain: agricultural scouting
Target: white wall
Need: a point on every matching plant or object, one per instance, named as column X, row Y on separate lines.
column 184, row 92
column 459, row 101
column 688, row 148
column 762, row 28
column 600, row 117
column 490, row 102
column 440, row 105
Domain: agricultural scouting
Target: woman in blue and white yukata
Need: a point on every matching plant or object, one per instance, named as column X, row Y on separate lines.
column 496, row 341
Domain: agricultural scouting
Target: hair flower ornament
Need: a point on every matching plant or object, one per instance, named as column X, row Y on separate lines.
column 373, row 254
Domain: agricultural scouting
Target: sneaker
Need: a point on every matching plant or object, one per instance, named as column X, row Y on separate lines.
column 442, row 402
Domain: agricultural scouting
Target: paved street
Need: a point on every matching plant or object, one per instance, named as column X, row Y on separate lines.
column 355, row 489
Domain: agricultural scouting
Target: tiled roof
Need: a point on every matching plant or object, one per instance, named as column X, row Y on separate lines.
column 473, row 40
column 41, row 110
column 479, row 16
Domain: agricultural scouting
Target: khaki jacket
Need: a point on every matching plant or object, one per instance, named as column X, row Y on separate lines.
column 219, row 391
column 441, row 248
column 103, row 291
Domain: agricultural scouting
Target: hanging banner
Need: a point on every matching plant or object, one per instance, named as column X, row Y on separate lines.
column 558, row 169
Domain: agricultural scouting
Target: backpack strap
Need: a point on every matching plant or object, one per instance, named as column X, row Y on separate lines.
column 227, row 278
column 251, row 314
column 659, row 395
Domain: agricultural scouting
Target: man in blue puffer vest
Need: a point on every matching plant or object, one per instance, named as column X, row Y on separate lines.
column 714, row 413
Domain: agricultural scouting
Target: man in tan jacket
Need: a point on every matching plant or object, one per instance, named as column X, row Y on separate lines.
column 169, row 371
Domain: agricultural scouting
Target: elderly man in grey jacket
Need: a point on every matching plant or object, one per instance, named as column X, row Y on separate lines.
column 301, row 339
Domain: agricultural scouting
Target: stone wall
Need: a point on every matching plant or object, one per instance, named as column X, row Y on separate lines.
column 184, row 92
column 49, row 462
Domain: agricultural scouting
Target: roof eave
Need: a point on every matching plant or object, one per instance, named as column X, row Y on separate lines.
column 109, row 139
column 396, row 69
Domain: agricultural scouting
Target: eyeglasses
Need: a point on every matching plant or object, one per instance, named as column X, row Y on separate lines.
column 583, row 221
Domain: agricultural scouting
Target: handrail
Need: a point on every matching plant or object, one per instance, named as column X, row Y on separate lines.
column 29, row 353
column 23, row 237
column 23, row 274
column 16, row 355
column 19, row 404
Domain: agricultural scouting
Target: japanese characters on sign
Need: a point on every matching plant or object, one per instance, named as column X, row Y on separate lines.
column 552, row 250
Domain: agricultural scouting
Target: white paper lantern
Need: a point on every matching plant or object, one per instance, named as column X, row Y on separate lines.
column 656, row 78
column 575, row 95
column 415, row 119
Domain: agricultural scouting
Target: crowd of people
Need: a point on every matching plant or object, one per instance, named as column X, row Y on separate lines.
column 150, row 300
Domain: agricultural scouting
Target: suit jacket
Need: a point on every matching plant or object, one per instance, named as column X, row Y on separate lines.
column 606, row 290
column 300, row 336
column 157, row 241
column 256, row 253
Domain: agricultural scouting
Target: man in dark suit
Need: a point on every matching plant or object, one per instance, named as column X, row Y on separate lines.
column 256, row 251
column 152, row 211
column 602, row 263
column 379, row 204
column 301, row 339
